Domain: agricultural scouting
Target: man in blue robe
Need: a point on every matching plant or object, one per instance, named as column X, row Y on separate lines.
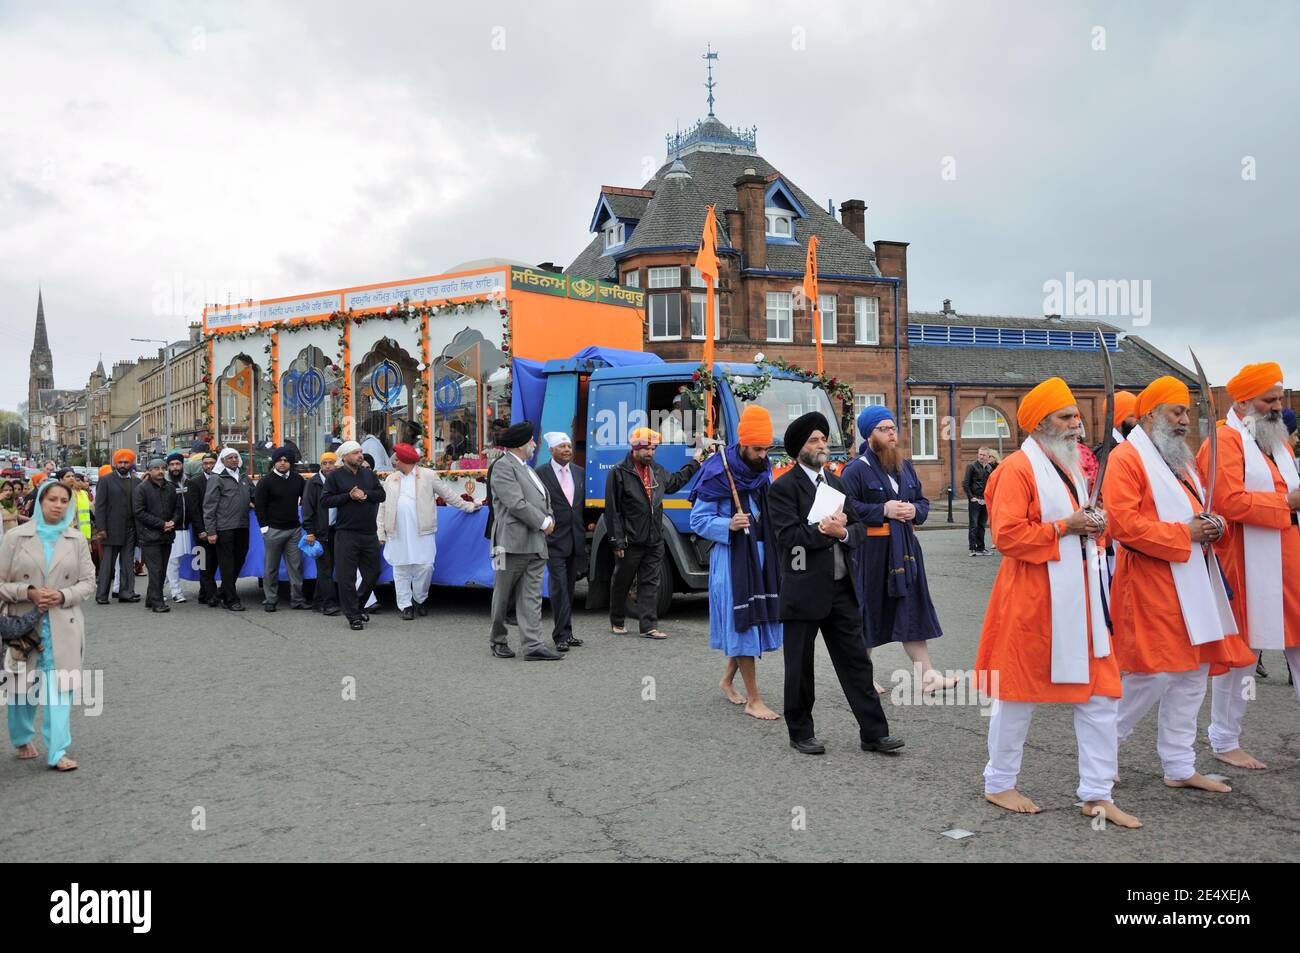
column 743, row 584
column 885, row 491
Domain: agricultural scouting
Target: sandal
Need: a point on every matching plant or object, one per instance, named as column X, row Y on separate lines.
column 65, row 764
column 618, row 629
column 654, row 634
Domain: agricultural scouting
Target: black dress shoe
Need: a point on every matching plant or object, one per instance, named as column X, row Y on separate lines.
column 365, row 617
column 102, row 602
column 543, row 655
column 886, row 744
column 502, row 651
column 356, row 625
column 268, row 606
column 421, row 609
column 301, row 606
column 330, row 613
column 561, row 645
column 235, row 607
column 408, row 614
column 808, row 746
column 134, row 597
column 162, row 608
column 572, row 641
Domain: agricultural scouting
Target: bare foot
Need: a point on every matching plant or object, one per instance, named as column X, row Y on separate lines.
column 1238, row 758
column 879, row 690
column 1110, row 812
column 731, row 694
column 26, row 752
column 65, row 764
column 1013, row 801
column 1201, row 783
column 934, row 682
column 756, row 709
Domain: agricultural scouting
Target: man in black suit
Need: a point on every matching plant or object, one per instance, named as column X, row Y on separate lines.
column 818, row 593
column 195, row 487
column 565, row 481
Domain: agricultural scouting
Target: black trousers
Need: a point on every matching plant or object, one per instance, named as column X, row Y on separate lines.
column 979, row 519
column 232, row 550
column 122, row 558
column 355, row 550
column 642, row 562
column 326, row 594
column 208, row 559
column 563, row 581
column 155, row 557
column 841, row 628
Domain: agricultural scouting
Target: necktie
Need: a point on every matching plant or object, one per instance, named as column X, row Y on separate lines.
column 841, row 567
column 566, row 484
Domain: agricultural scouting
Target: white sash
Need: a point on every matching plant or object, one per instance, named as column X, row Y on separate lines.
column 1198, row 582
column 1070, row 605
column 1263, row 546
column 1119, row 437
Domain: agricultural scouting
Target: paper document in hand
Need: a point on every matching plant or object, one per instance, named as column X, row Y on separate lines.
column 827, row 502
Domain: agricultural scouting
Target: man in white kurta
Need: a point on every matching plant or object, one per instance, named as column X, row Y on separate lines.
column 407, row 524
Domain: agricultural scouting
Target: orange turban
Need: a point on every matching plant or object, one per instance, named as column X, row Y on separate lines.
column 1253, row 379
column 38, row 477
column 1163, row 390
column 755, row 429
column 644, row 437
column 1047, row 398
column 123, row 455
column 1125, row 406
column 105, row 470
column 328, row 457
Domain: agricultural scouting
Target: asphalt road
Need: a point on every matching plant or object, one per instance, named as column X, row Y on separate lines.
column 238, row 725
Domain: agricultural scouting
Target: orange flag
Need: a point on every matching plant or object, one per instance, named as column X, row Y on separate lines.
column 242, row 383
column 706, row 261
column 811, row 296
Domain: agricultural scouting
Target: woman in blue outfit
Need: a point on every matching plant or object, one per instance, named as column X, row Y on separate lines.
column 884, row 489
column 743, row 585
column 45, row 564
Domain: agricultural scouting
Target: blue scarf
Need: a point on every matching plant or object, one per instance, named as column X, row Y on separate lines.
column 755, row 587
column 48, row 534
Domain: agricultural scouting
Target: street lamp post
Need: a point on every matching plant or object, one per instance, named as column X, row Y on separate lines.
column 167, row 382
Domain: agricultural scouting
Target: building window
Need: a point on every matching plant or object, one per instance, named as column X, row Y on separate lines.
column 665, row 316
column 780, row 223
column 697, row 279
column 666, row 277
column 779, row 326
column 826, row 308
column 613, row 233
column 921, row 414
column 985, row 423
column 861, row 402
column 632, row 279
column 697, row 317
column 866, row 320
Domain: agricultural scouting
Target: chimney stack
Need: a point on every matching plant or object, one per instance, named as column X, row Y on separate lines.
column 947, row 306
column 853, row 216
column 750, row 188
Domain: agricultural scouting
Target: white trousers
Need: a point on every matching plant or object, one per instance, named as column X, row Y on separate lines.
column 1228, row 696
column 180, row 546
column 1293, row 660
column 1094, row 733
column 1180, row 695
column 411, row 582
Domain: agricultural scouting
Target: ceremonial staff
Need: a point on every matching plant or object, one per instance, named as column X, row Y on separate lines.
column 1206, row 407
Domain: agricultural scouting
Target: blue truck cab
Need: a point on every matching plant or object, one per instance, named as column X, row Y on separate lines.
column 600, row 405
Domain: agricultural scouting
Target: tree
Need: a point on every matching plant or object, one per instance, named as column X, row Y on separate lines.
column 13, row 430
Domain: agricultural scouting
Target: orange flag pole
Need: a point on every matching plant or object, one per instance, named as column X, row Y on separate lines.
column 814, row 300
column 706, row 262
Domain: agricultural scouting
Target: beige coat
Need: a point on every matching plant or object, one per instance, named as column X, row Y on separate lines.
column 427, row 486
column 22, row 564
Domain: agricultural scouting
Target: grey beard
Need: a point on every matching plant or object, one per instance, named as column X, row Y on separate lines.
column 1172, row 447
column 1269, row 431
column 1064, row 448
column 813, row 460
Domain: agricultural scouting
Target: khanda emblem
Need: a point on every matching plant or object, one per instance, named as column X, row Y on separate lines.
column 386, row 382
column 310, row 390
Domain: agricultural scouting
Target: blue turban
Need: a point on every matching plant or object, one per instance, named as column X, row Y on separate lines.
column 1288, row 416
column 871, row 417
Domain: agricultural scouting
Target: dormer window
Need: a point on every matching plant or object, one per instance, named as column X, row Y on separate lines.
column 613, row 233
column 780, row 223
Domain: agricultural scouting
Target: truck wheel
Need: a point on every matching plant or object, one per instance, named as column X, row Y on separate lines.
column 665, row 587
column 599, row 578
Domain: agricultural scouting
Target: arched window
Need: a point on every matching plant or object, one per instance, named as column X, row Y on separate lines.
column 238, row 389
column 469, row 392
column 382, row 404
column 985, row 423
column 307, row 404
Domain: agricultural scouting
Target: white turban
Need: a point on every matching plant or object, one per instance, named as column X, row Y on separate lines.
column 350, row 446
column 555, row 438
column 221, row 467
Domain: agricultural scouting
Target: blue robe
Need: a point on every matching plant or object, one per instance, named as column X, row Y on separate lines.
column 710, row 520
column 908, row 618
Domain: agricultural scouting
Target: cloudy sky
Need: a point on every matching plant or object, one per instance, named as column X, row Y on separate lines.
column 160, row 154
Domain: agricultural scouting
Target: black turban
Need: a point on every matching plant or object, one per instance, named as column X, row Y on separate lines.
column 288, row 453
column 516, row 436
column 176, row 455
column 797, row 434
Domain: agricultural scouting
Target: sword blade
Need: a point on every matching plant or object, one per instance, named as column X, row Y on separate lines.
column 1206, row 405
column 1108, row 442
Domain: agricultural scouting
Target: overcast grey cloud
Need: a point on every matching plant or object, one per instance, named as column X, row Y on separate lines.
column 155, row 152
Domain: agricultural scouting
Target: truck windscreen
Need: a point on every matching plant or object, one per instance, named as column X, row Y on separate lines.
column 786, row 400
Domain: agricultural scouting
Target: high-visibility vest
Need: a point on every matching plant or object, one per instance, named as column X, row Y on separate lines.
column 83, row 512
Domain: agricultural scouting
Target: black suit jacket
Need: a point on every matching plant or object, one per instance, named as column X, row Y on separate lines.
column 806, row 592
column 570, row 536
column 195, row 487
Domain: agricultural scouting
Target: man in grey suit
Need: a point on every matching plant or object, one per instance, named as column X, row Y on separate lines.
column 522, row 520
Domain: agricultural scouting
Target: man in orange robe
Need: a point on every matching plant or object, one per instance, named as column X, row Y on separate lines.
column 1256, row 491
column 1169, row 607
column 1045, row 637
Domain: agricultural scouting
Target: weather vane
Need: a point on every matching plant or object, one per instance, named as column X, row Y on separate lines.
column 709, row 57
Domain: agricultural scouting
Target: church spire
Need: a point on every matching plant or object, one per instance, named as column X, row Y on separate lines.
column 42, row 341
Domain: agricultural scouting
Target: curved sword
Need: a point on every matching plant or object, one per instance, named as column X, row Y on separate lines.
column 1203, row 401
column 1108, row 376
